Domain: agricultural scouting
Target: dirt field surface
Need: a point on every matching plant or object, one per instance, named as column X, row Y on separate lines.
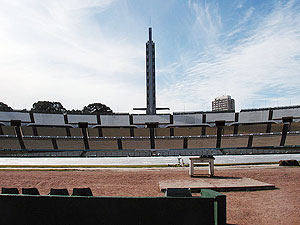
column 279, row 206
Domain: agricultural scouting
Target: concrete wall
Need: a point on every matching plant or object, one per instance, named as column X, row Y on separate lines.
column 253, row 128
column 273, row 140
column 8, row 130
column 103, row 143
column 187, row 131
column 136, row 144
column 8, row 116
column 276, row 127
column 295, row 126
column 49, row 119
column 38, row 143
column 93, row 132
column 254, row 116
column 233, row 142
column 212, row 117
column 27, row 131
column 202, row 142
column 162, row 132
column 168, row 143
column 75, row 119
column 9, row 143
column 142, row 119
column 51, row 131
column 123, row 120
column 278, row 114
column 115, row 120
column 187, row 119
column 141, row 132
column 70, row 144
column 116, row 132
column 292, row 139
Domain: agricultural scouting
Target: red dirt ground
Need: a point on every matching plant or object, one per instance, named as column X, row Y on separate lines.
column 280, row 206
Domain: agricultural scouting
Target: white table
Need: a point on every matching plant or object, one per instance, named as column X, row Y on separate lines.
column 198, row 160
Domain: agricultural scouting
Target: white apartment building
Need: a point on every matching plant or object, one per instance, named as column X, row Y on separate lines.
column 223, row 103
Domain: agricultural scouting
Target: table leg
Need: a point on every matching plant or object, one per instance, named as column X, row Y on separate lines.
column 191, row 168
column 211, row 168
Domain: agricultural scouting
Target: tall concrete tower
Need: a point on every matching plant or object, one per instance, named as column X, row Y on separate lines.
column 150, row 78
column 150, row 75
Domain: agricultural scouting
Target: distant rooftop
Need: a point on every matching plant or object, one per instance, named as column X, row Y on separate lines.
column 223, row 97
column 271, row 108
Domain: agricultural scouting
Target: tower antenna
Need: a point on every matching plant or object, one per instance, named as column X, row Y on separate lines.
column 150, row 21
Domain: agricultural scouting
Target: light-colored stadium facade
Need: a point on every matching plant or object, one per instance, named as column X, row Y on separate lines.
column 253, row 116
column 256, row 131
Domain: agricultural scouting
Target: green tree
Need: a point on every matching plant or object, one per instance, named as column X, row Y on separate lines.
column 96, row 108
column 4, row 107
column 48, row 107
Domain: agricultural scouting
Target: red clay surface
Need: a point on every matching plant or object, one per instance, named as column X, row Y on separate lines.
column 280, row 206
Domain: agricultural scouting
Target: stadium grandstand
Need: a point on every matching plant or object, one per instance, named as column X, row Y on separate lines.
column 267, row 130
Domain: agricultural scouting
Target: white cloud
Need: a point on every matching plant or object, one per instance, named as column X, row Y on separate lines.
column 258, row 70
column 53, row 50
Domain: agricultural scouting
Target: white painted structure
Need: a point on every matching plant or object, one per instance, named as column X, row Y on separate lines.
column 200, row 160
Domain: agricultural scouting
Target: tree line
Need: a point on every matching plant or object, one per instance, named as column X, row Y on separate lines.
column 57, row 107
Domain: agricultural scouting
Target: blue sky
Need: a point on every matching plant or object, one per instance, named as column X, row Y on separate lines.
column 79, row 52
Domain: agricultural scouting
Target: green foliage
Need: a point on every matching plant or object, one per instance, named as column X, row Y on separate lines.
column 48, row 107
column 96, row 108
column 4, row 107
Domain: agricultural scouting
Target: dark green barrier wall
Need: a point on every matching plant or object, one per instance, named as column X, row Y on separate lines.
column 56, row 210
column 220, row 204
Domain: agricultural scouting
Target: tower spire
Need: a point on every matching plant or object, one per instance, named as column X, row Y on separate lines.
column 150, row 33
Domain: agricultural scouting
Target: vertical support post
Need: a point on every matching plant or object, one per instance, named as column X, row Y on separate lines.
column 203, row 121
column 219, row 137
column 152, row 138
column 120, row 147
column 235, row 129
column 171, row 119
column 269, row 126
column 68, row 131
column 191, row 168
column 84, row 132
column 270, row 114
column 220, row 124
column 34, row 129
column 211, row 167
column 185, row 143
column 203, row 132
column 100, row 132
column 250, row 141
column 236, row 126
column 17, row 124
column 54, row 143
column 285, row 129
column 131, row 132
column 171, row 131
column 98, row 119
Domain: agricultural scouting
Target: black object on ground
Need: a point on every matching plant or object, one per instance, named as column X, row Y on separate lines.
column 13, row 191
column 82, row 192
column 178, row 192
column 30, row 191
column 291, row 162
column 55, row 191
